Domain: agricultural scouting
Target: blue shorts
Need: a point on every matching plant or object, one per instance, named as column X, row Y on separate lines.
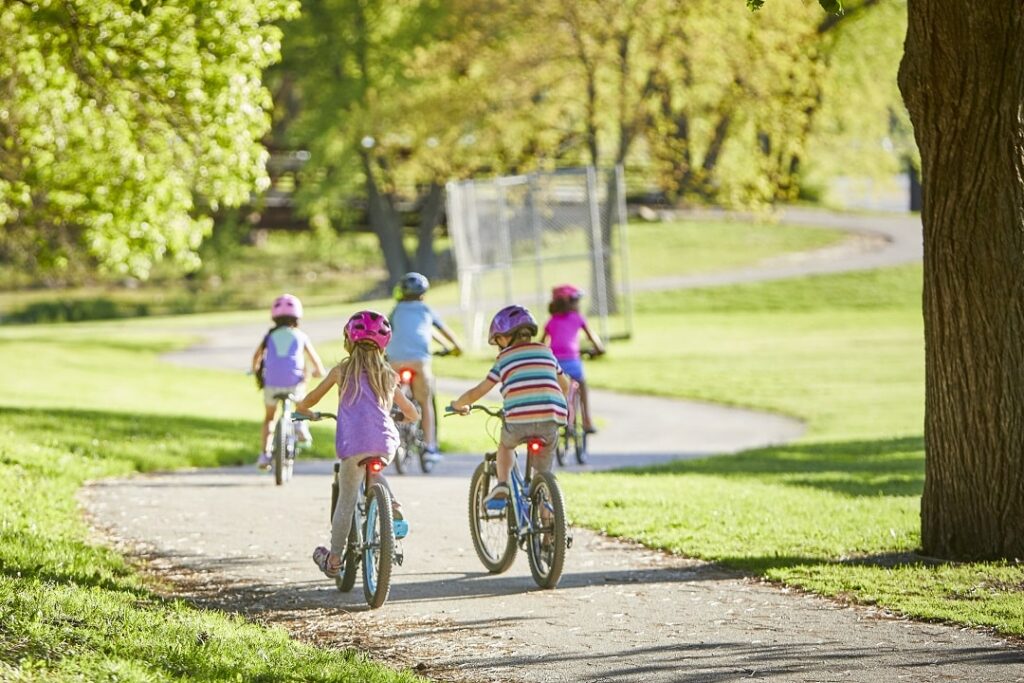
column 573, row 368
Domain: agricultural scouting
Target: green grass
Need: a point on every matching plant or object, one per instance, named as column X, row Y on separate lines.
column 326, row 269
column 71, row 610
column 836, row 513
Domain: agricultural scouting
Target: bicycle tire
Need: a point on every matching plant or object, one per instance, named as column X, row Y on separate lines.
column 278, row 455
column 428, row 465
column 579, row 435
column 492, row 540
column 347, row 578
column 562, row 446
column 379, row 548
column 547, row 542
column 403, row 458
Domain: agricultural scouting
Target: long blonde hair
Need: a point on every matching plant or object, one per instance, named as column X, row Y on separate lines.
column 366, row 358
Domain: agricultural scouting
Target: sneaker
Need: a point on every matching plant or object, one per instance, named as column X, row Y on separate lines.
column 500, row 492
column 264, row 461
column 322, row 557
column 431, row 454
column 590, row 430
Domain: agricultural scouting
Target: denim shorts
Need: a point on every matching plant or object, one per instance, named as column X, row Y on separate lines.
column 573, row 368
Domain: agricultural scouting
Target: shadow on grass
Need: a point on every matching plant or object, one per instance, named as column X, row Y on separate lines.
column 883, row 467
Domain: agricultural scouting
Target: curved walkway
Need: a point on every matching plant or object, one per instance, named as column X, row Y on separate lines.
column 231, row 539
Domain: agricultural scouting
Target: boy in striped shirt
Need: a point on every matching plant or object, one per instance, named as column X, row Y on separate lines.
column 533, row 386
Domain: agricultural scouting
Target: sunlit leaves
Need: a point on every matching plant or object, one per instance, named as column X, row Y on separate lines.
column 114, row 117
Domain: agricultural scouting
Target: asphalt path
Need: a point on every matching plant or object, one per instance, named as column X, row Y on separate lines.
column 229, row 538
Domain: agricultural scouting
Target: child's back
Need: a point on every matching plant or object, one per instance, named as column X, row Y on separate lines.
column 528, row 374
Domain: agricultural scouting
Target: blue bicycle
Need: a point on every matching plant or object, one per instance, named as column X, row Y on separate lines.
column 532, row 518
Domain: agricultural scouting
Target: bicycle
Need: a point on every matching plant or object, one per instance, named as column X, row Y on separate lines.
column 573, row 434
column 284, row 440
column 534, row 521
column 373, row 538
column 410, row 434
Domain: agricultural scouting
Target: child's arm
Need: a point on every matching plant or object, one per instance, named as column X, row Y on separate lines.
column 594, row 339
column 314, row 358
column 565, row 383
column 461, row 404
column 447, row 334
column 260, row 350
column 407, row 407
column 313, row 397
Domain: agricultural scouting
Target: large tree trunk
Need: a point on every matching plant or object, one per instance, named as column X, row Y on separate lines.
column 386, row 223
column 431, row 210
column 962, row 77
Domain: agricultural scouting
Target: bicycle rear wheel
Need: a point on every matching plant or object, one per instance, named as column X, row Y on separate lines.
column 547, row 542
column 579, row 435
column 562, row 446
column 279, row 456
column 379, row 549
column 494, row 545
column 350, row 563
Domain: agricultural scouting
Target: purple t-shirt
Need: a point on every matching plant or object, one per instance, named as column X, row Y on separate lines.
column 564, row 331
column 364, row 425
column 284, row 364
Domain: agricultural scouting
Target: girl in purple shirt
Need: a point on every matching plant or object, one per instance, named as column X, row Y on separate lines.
column 367, row 388
column 562, row 330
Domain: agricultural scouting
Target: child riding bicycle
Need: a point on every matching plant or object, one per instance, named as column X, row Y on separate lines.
column 414, row 322
column 279, row 364
column 367, row 388
column 534, row 389
column 563, row 330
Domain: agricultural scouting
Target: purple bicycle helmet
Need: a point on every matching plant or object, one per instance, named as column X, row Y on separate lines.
column 286, row 305
column 369, row 326
column 510, row 319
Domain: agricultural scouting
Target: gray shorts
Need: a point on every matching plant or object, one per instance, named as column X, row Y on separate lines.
column 514, row 434
column 298, row 391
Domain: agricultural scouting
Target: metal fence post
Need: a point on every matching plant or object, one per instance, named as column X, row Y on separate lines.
column 597, row 252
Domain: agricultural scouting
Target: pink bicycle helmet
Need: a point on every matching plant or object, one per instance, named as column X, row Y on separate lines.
column 567, row 292
column 369, row 326
column 286, row 305
column 510, row 319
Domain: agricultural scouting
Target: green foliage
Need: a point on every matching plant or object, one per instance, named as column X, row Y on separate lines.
column 116, row 116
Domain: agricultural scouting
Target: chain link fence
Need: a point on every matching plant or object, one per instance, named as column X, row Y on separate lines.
column 518, row 236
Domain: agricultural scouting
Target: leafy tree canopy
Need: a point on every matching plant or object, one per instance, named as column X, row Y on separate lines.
column 114, row 116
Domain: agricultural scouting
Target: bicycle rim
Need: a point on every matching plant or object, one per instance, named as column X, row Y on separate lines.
column 379, row 546
column 493, row 543
column 278, row 456
column 547, row 541
column 579, row 435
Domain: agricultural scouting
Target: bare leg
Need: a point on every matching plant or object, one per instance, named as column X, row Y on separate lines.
column 504, row 463
column 585, row 405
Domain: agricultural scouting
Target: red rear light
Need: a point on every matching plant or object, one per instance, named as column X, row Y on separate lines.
column 534, row 446
column 376, row 466
column 406, row 375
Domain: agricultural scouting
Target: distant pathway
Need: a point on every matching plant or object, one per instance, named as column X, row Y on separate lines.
column 230, row 539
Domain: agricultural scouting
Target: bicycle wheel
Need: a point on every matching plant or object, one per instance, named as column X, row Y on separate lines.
column 403, row 456
column 579, row 435
column 562, row 446
column 547, row 542
column 427, row 465
column 347, row 578
column 379, row 549
column 278, row 456
column 494, row 545
column 289, row 451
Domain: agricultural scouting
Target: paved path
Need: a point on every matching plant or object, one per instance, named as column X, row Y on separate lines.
column 231, row 539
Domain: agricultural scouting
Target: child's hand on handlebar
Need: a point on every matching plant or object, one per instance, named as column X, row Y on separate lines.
column 461, row 409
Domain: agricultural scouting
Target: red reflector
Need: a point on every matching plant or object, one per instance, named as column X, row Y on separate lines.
column 376, row 466
column 407, row 376
column 535, row 446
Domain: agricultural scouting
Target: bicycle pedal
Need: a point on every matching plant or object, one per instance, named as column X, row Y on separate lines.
column 497, row 505
column 401, row 528
column 399, row 557
column 568, row 542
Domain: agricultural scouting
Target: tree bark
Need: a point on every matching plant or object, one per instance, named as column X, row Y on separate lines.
column 962, row 77
column 386, row 223
column 431, row 209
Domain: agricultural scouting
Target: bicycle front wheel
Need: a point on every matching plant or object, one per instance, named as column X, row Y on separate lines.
column 494, row 545
column 379, row 548
column 547, row 541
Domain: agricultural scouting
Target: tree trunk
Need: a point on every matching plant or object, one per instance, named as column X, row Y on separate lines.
column 386, row 223
column 430, row 215
column 962, row 77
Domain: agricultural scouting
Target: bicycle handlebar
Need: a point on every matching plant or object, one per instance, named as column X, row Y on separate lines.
column 494, row 412
column 298, row 417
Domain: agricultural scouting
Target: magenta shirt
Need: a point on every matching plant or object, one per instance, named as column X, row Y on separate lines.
column 364, row 425
column 564, row 331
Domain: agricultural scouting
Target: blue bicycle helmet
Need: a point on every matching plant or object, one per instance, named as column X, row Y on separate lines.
column 413, row 284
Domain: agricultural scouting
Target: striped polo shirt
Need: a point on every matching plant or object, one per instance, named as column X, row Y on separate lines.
column 528, row 374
